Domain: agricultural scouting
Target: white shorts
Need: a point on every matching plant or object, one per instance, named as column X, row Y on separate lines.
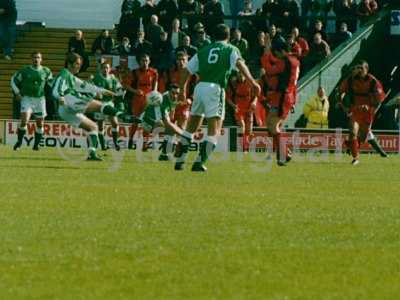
column 76, row 104
column 70, row 116
column 36, row 106
column 208, row 100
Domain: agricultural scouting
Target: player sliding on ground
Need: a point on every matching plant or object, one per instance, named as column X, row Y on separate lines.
column 28, row 86
column 213, row 63
column 365, row 94
column 76, row 97
column 104, row 79
column 160, row 112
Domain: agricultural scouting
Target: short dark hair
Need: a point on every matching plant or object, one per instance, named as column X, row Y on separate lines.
column 72, row 58
column 222, row 32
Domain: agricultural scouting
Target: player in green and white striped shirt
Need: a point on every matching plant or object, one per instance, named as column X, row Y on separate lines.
column 28, row 85
column 213, row 63
column 104, row 79
column 77, row 97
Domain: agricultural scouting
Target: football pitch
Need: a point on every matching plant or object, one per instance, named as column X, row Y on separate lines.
column 133, row 228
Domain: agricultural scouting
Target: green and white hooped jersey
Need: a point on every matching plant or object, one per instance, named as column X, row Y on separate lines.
column 67, row 83
column 31, row 81
column 154, row 114
column 215, row 62
column 110, row 83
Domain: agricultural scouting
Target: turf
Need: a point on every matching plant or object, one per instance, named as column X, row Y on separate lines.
column 128, row 229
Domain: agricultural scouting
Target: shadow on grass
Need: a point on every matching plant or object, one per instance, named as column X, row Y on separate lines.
column 30, row 158
column 49, row 167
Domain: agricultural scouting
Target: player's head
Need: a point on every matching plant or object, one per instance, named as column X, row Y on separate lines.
column 105, row 68
column 174, row 91
column 144, row 61
column 222, row 32
column 74, row 62
column 36, row 58
column 279, row 47
column 361, row 69
column 181, row 59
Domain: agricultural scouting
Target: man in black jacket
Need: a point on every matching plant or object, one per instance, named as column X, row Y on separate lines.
column 103, row 44
column 8, row 26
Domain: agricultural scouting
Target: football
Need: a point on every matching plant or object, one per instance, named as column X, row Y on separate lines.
column 154, row 98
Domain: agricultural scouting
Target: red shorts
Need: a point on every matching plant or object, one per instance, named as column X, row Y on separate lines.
column 289, row 102
column 138, row 105
column 363, row 118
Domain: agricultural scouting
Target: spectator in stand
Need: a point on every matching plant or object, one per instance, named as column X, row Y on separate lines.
column 163, row 53
column 191, row 9
column 247, row 9
column 319, row 50
column 271, row 10
column 125, row 48
column 167, row 11
column 148, row 9
column 318, row 28
column 142, row 46
column 213, row 15
column 8, row 27
column 153, row 31
column 365, row 9
column 294, row 46
column 130, row 20
column 347, row 12
column 176, row 35
column 260, row 23
column 289, row 15
column 77, row 44
column 273, row 32
column 103, row 44
column 342, row 35
column 316, row 110
column 187, row 47
column 240, row 43
column 305, row 49
column 201, row 39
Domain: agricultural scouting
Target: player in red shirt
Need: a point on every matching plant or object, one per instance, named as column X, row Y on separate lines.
column 365, row 94
column 172, row 77
column 240, row 96
column 144, row 81
column 281, row 72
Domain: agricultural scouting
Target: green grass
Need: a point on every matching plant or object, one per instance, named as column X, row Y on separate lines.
column 139, row 230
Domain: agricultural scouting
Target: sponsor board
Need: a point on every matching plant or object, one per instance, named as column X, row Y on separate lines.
column 330, row 141
column 63, row 135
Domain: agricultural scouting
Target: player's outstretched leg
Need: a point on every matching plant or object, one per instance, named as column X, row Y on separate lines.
column 375, row 145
